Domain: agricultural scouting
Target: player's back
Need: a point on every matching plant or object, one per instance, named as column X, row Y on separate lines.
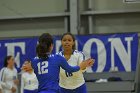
column 47, row 72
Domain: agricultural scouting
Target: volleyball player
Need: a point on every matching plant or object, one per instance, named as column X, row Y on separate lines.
column 47, row 66
column 71, row 82
column 8, row 76
column 29, row 82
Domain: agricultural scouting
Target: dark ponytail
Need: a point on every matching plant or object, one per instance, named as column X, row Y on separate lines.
column 6, row 60
column 68, row 33
column 43, row 48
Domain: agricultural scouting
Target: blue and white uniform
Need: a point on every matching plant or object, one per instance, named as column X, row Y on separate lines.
column 72, row 83
column 47, row 72
column 7, row 77
column 29, row 83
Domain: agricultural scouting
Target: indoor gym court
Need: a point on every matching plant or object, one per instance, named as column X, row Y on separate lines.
column 106, row 30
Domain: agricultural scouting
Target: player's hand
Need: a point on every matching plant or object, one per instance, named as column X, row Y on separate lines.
column 16, row 81
column 86, row 63
column 90, row 62
column 13, row 89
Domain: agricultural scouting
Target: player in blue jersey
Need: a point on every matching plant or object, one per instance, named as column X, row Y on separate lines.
column 47, row 66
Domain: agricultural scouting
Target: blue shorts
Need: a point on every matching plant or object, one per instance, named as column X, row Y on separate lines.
column 30, row 91
column 48, row 91
column 81, row 89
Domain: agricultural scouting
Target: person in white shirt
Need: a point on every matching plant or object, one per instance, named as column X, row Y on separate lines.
column 71, row 82
column 8, row 76
column 29, row 82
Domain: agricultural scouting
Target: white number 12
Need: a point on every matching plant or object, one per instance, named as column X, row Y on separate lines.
column 42, row 67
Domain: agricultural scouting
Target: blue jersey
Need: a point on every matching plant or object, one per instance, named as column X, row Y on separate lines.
column 47, row 71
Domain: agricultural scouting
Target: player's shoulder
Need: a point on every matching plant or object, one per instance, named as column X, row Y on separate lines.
column 51, row 56
column 35, row 59
column 58, row 55
column 56, row 58
column 76, row 52
column 15, row 70
column 24, row 74
column 3, row 69
column 6, row 70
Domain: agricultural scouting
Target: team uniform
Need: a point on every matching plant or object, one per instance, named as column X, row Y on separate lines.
column 29, row 83
column 7, row 77
column 73, row 82
column 47, row 72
